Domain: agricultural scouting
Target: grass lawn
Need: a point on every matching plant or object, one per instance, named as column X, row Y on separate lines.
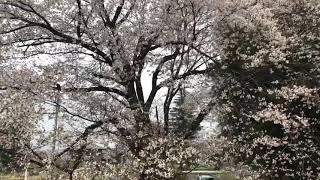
column 21, row 178
column 220, row 175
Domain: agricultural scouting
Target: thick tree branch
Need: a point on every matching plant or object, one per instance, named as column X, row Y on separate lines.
column 97, row 88
column 83, row 136
column 196, row 123
column 117, row 13
column 79, row 19
column 184, row 76
column 47, row 26
column 104, row 15
column 155, row 87
column 125, row 17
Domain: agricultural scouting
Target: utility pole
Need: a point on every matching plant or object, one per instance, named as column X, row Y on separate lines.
column 55, row 129
column 26, row 173
column 26, row 168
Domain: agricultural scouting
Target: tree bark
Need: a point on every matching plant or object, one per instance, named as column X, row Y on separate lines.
column 143, row 176
column 70, row 175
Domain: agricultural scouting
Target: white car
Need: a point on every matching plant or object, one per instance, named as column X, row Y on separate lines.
column 205, row 177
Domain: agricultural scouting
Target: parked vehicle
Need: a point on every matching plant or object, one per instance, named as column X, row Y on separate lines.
column 205, row 177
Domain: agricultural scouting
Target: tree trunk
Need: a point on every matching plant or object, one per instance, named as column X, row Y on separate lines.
column 142, row 176
column 70, row 175
column 26, row 173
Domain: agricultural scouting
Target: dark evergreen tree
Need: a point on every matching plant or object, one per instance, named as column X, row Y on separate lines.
column 9, row 159
column 5, row 159
column 181, row 116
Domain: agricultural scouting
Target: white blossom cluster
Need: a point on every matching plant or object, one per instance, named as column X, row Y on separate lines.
column 164, row 158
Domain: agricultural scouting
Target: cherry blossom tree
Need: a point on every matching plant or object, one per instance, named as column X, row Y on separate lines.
column 84, row 64
column 90, row 56
column 270, row 65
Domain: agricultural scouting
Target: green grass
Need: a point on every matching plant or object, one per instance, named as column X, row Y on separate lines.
column 21, row 178
column 221, row 175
